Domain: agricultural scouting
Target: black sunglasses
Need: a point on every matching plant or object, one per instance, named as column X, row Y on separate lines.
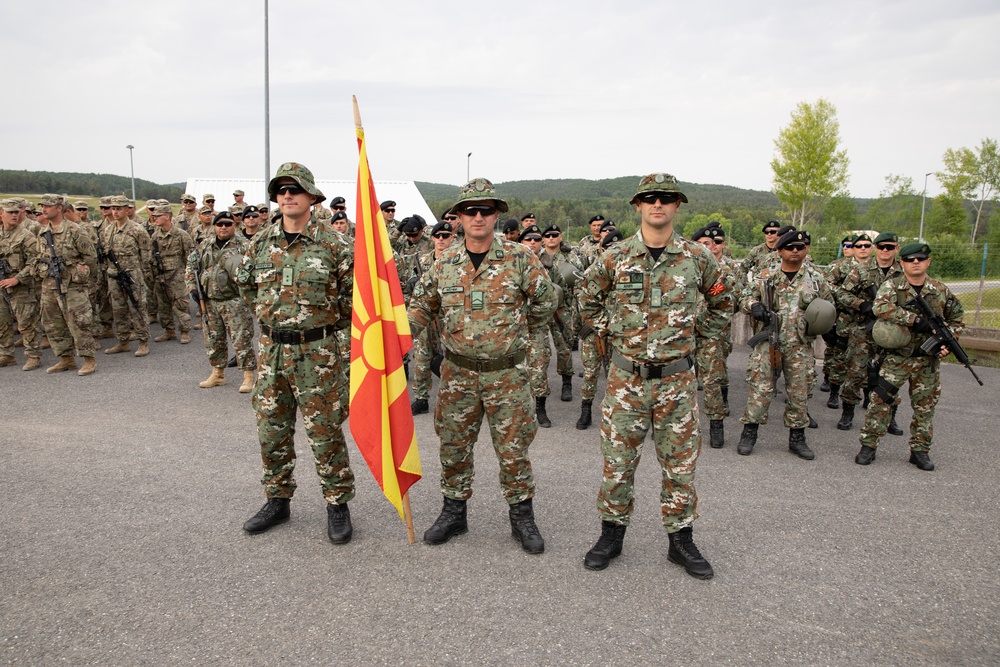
column 443, row 235
column 289, row 188
column 552, row 235
column 862, row 245
column 413, row 235
column 886, row 246
column 223, row 224
column 250, row 217
column 913, row 260
column 450, row 218
column 389, row 210
column 104, row 208
column 484, row 209
column 795, row 246
column 718, row 241
column 662, row 197
column 339, row 208
column 770, row 232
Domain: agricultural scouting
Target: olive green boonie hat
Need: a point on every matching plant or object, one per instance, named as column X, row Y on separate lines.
column 298, row 173
column 478, row 189
column 664, row 183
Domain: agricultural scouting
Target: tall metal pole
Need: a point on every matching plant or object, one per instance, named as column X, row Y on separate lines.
column 468, row 161
column 267, row 110
column 923, row 200
column 131, row 165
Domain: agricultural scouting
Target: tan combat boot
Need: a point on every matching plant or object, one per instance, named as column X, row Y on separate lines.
column 165, row 336
column 89, row 366
column 247, row 385
column 197, row 326
column 216, row 379
column 6, row 360
column 67, row 362
column 133, row 336
column 185, row 338
column 119, row 347
column 143, row 348
column 107, row 332
column 32, row 364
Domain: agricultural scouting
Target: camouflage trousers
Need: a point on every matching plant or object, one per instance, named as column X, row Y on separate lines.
column 464, row 397
column 711, row 363
column 632, row 406
column 538, row 356
column 21, row 313
column 230, row 318
column 835, row 364
column 425, row 346
column 307, row 377
column 128, row 316
column 103, row 317
column 796, row 365
column 344, row 344
column 923, row 374
column 592, row 362
column 859, row 351
column 153, row 294
column 172, row 302
column 71, row 325
column 562, row 339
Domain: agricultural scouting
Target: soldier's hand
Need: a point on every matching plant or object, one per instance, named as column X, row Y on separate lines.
column 866, row 309
column 921, row 325
column 758, row 312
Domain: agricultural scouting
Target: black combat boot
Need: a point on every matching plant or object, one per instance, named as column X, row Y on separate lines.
column 826, row 383
column 586, row 407
column 797, row 444
column 865, row 456
column 834, row 401
column 684, row 552
column 893, row 426
column 716, row 434
column 812, row 422
column 609, row 545
column 567, row 388
column 725, row 399
column 522, row 526
column 420, row 406
column 338, row 524
column 846, row 418
column 451, row 522
column 747, row 439
column 922, row 460
column 274, row 512
column 543, row 419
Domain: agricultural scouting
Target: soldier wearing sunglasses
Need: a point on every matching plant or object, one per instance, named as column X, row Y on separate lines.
column 427, row 346
column 761, row 255
column 835, row 355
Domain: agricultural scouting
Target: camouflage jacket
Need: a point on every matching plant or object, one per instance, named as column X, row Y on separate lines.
column 130, row 243
column 20, row 248
column 567, row 263
column 485, row 312
column 586, row 251
column 759, row 258
column 73, row 245
column 219, row 268
column 731, row 277
column 202, row 232
column 861, row 284
column 563, row 313
column 185, row 221
column 411, row 264
column 895, row 301
column 302, row 285
column 792, row 296
column 175, row 246
column 835, row 274
column 649, row 308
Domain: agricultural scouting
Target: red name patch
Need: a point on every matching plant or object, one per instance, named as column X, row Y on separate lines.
column 716, row 289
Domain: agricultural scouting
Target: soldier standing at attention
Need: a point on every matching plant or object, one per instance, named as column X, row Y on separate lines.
column 559, row 257
column 641, row 295
column 173, row 245
column 835, row 356
column 204, row 229
column 129, row 244
column 67, row 314
column 909, row 361
column 187, row 218
column 589, row 247
column 19, row 301
column 761, row 255
column 298, row 274
column 487, row 292
column 388, row 208
column 238, row 196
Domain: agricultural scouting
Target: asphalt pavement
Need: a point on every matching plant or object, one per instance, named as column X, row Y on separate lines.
column 121, row 542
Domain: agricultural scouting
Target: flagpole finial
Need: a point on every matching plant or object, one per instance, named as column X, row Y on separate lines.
column 357, row 112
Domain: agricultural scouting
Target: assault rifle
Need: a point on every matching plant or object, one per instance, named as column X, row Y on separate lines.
column 943, row 335
column 201, row 290
column 123, row 278
column 102, row 257
column 159, row 268
column 6, row 271
column 57, row 265
column 770, row 332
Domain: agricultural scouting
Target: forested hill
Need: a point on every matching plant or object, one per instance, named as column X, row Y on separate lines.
column 93, row 185
column 608, row 188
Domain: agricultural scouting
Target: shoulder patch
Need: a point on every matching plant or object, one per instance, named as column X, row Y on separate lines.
column 717, row 289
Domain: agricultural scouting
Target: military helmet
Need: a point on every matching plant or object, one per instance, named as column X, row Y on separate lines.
column 298, row 173
column 663, row 183
column 820, row 316
column 569, row 274
column 479, row 189
column 890, row 336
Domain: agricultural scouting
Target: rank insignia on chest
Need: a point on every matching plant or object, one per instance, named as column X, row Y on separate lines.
column 478, row 300
column 287, row 276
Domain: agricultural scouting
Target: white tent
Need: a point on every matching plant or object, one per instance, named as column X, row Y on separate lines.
column 404, row 193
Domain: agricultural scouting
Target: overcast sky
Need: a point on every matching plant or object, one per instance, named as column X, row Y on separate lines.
column 540, row 89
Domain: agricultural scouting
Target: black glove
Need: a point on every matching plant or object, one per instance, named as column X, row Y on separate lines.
column 921, row 325
column 758, row 311
column 866, row 309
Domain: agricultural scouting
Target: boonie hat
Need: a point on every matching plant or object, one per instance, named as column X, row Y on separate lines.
column 479, row 189
column 664, row 183
column 298, row 173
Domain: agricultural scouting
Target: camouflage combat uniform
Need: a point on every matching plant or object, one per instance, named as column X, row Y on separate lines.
column 759, row 258
column 795, row 346
column 130, row 244
column 104, row 319
column 67, row 317
column 563, row 326
column 484, row 314
column 19, row 306
column 425, row 346
column 835, row 357
column 302, row 293
column 894, row 302
column 587, row 251
column 175, row 246
column 539, row 352
column 711, row 360
column 646, row 308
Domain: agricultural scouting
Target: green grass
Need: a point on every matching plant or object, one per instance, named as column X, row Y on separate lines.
column 989, row 315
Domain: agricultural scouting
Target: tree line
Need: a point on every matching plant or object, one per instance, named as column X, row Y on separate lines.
column 92, row 185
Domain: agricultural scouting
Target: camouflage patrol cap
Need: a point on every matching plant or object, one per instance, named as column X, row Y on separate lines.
column 890, row 336
column 325, row 213
column 119, row 200
column 238, row 193
column 51, row 200
column 160, row 209
column 664, row 183
column 207, row 197
column 10, row 205
column 476, row 190
column 23, row 202
column 298, row 173
column 81, row 205
column 204, row 209
column 915, row 249
column 263, row 208
column 237, row 209
column 105, row 201
column 188, row 197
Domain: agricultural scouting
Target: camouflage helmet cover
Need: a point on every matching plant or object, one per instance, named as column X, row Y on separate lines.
column 890, row 336
column 660, row 182
column 298, row 173
column 478, row 189
column 820, row 317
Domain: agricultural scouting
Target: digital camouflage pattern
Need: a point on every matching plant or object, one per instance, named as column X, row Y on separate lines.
column 835, row 358
column 647, row 310
column 301, row 286
column 483, row 314
column 175, row 247
column 564, row 325
column 99, row 296
column 895, row 303
column 425, row 346
column 131, row 246
column 711, row 360
column 759, row 258
column 797, row 360
column 411, row 262
column 19, row 248
column 228, row 314
column 67, row 321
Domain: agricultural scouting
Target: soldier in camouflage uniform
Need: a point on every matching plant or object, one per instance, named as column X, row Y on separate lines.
column 564, row 325
column 67, row 314
column 428, row 345
column 187, row 217
column 589, row 247
column 171, row 247
column 895, row 302
column 487, row 292
column 762, row 255
column 855, row 296
column 641, row 295
column 388, row 208
column 795, row 284
column 835, row 356
column 204, row 229
column 129, row 244
column 216, row 265
column 19, row 304
column 298, row 274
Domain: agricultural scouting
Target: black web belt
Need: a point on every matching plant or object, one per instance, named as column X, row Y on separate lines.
column 297, row 337
column 651, row 371
column 481, row 365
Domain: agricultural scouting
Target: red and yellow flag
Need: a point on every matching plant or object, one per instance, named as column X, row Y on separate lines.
column 381, row 419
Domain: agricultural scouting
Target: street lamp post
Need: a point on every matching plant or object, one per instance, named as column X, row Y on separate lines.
column 267, row 107
column 923, row 200
column 131, row 165
column 468, row 161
